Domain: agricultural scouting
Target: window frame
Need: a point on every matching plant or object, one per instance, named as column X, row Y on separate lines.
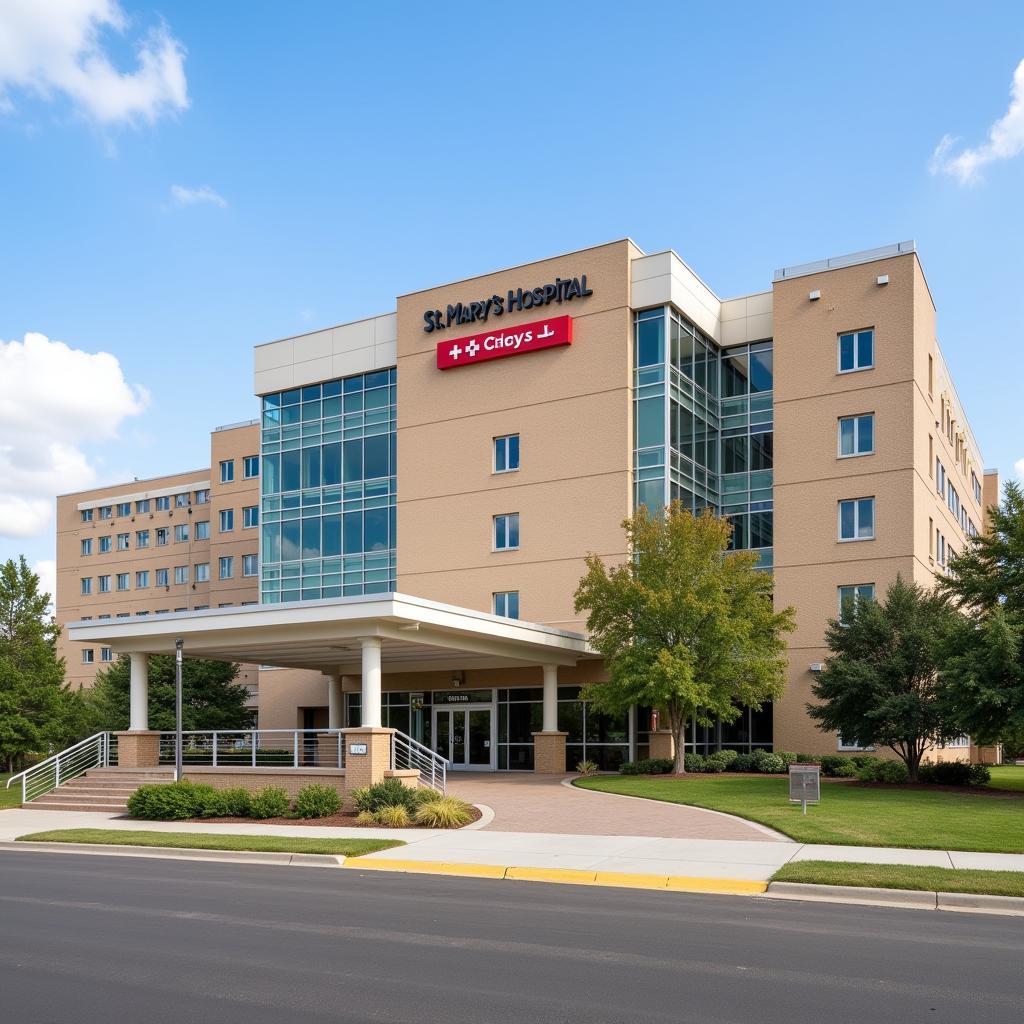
column 494, row 453
column 246, row 460
column 855, row 334
column 506, row 595
column 226, row 515
column 856, row 525
column 227, row 471
column 857, row 598
column 855, row 418
column 494, row 532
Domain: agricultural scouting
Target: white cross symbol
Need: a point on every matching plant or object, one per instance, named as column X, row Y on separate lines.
column 472, row 348
column 455, row 352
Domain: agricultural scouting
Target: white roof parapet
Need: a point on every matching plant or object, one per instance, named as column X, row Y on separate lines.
column 883, row 252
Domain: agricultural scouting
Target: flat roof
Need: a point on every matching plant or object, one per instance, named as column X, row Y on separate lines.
column 883, row 252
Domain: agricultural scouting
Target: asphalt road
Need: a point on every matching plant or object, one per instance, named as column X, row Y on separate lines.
column 109, row 940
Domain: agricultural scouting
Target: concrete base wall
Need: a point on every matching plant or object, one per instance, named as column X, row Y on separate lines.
column 252, row 779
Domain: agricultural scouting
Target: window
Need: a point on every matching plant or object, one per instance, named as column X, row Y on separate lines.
column 227, row 567
column 940, row 548
column 250, row 565
column 931, row 374
column 850, row 598
column 976, row 487
column 124, row 508
column 202, row 572
column 86, row 515
column 162, row 536
column 106, row 511
column 181, row 574
column 142, row 538
column 506, row 602
column 227, row 471
column 88, row 656
column 103, row 616
column 87, row 546
column 506, row 532
column 506, row 453
column 856, row 351
column 142, row 579
column 250, row 516
column 86, row 586
column 141, row 613
column 123, row 615
column 162, row 578
column 163, row 503
column 202, row 497
column 104, row 584
column 105, row 544
column 123, row 581
column 203, row 530
column 122, row 541
column 857, row 519
column 181, row 533
column 181, row 500
column 106, row 654
column 940, row 478
column 250, row 466
column 142, row 505
column 227, row 520
column 852, row 744
column 856, row 435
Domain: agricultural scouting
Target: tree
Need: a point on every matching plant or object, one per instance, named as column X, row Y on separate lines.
column 881, row 686
column 984, row 662
column 33, row 714
column 684, row 625
column 210, row 697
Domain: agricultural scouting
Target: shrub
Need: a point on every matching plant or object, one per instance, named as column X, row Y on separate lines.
column 787, row 757
column 585, row 768
column 954, row 773
column 444, row 812
column 838, row 766
column 317, row 801
column 389, row 793
column 860, row 760
column 807, row 759
column 744, row 763
column 424, row 795
column 727, row 757
column 891, row 772
column 721, row 762
column 713, row 766
column 392, row 815
column 979, row 775
column 366, row 818
column 693, row 762
column 769, row 764
column 270, row 802
column 234, row 802
column 172, row 801
column 628, row 768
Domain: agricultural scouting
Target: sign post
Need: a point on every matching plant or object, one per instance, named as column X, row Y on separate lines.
column 804, row 784
column 178, row 645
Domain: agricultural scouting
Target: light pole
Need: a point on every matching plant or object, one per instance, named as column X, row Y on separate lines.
column 178, row 645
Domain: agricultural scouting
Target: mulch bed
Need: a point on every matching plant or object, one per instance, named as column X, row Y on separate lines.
column 346, row 819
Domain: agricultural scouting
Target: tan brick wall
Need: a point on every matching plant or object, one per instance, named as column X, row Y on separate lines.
column 253, row 779
column 549, row 753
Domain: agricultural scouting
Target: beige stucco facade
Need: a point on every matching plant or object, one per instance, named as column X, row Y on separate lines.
column 572, row 408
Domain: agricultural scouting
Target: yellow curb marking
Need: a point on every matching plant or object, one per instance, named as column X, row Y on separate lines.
column 567, row 876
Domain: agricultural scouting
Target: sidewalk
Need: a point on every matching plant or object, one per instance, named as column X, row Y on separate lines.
column 724, row 860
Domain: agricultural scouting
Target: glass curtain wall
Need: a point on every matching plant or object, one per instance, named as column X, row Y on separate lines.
column 327, row 507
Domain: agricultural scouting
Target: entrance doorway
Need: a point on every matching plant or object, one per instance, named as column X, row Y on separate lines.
column 463, row 736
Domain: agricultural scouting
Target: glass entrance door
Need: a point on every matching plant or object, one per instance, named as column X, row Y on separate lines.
column 463, row 737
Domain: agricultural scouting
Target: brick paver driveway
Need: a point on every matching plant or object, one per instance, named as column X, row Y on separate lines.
column 540, row 803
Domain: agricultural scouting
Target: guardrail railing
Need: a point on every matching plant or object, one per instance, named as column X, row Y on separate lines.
column 407, row 753
column 256, row 748
column 46, row 776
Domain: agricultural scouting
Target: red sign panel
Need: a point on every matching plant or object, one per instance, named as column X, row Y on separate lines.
column 497, row 344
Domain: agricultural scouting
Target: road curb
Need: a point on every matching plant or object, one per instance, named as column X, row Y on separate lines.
column 913, row 899
column 565, row 876
column 325, row 860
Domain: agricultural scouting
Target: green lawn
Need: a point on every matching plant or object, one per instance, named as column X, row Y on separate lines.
column 848, row 813
column 901, row 876
column 9, row 797
column 1008, row 776
column 207, row 841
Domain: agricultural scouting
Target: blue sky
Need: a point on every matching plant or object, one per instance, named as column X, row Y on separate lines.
column 328, row 159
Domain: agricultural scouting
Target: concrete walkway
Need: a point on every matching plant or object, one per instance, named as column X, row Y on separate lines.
column 744, row 860
column 524, row 802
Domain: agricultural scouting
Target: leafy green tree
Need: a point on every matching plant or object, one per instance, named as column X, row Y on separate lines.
column 210, row 697
column 984, row 663
column 881, row 686
column 684, row 625
column 33, row 701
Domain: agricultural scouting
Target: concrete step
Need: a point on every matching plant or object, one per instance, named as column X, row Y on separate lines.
column 92, row 792
column 87, row 799
column 44, row 804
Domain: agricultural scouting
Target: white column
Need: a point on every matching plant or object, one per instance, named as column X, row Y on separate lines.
column 138, row 717
column 334, row 702
column 550, row 718
column 371, row 682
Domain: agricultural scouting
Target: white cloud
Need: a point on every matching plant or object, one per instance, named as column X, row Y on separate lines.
column 1005, row 140
column 55, row 47
column 1018, row 468
column 53, row 398
column 46, row 570
column 190, row 196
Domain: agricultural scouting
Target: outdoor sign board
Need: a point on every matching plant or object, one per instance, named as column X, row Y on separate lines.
column 515, row 341
column 804, row 784
column 357, row 748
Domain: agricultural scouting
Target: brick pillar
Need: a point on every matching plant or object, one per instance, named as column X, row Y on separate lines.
column 366, row 769
column 549, row 752
column 137, row 749
column 663, row 744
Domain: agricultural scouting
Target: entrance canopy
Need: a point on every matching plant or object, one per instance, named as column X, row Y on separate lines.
column 413, row 634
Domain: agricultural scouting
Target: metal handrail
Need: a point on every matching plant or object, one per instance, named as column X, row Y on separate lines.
column 92, row 752
column 219, row 748
column 407, row 753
